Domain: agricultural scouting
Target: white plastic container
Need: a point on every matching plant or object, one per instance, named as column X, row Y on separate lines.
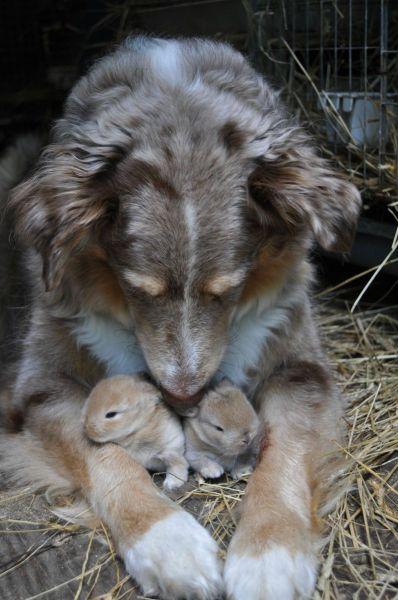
column 361, row 114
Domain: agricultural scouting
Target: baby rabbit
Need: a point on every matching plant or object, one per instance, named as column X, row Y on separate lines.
column 130, row 411
column 222, row 435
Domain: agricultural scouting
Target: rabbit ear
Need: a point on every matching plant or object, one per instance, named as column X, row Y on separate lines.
column 191, row 412
column 224, row 382
column 159, row 399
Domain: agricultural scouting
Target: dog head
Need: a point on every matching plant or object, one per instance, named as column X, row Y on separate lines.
column 174, row 189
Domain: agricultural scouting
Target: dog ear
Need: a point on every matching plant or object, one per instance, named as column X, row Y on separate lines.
column 303, row 191
column 60, row 206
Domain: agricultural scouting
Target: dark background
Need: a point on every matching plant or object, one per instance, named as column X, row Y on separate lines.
column 46, row 45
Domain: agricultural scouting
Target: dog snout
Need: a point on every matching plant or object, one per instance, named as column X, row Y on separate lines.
column 182, row 402
column 182, row 387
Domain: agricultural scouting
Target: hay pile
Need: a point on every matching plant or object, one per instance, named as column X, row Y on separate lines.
column 361, row 555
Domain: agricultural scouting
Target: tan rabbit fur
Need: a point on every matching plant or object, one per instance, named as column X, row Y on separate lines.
column 130, row 411
column 222, row 435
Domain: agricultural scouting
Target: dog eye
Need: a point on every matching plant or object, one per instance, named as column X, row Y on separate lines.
column 216, row 298
column 218, row 428
column 111, row 414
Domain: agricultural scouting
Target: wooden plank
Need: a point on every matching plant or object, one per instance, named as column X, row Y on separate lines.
column 41, row 557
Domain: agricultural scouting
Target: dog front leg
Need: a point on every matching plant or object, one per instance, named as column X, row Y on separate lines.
column 274, row 552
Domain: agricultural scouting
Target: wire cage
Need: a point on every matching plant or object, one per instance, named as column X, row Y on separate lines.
column 337, row 63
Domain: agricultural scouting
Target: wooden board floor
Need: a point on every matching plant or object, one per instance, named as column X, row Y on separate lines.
column 43, row 557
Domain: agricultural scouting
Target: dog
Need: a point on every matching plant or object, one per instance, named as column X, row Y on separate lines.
column 167, row 227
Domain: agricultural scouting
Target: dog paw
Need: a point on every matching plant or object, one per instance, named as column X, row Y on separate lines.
column 175, row 559
column 274, row 575
column 211, row 471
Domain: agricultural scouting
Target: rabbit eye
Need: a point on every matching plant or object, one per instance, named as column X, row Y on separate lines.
column 111, row 414
column 218, row 428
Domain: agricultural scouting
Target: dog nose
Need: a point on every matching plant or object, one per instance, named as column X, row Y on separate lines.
column 182, row 402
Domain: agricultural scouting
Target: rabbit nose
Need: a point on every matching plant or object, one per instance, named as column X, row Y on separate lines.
column 246, row 439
